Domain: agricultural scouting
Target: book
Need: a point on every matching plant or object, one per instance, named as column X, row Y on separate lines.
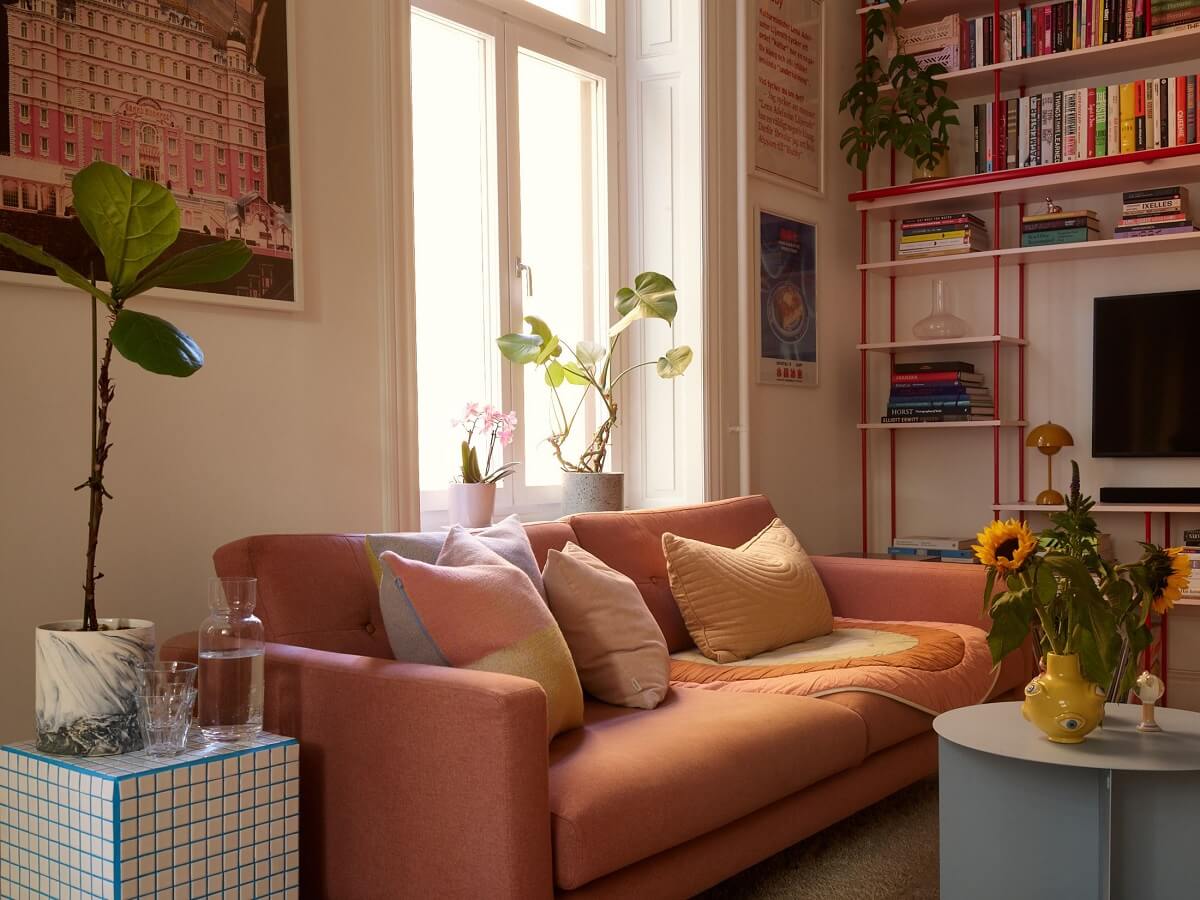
column 1172, row 218
column 1046, row 152
column 1154, row 231
column 1089, row 138
column 941, row 219
column 1139, row 114
column 1079, row 222
column 914, row 420
column 1162, row 193
column 1058, row 216
column 1057, row 125
column 924, row 542
column 959, row 235
column 1128, row 119
column 966, row 555
column 941, row 366
column 936, row 377
column 1100, row 138
column 1059, row 236
column 1153, row 207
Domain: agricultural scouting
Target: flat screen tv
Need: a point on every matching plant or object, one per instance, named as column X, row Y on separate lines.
column 1146, row 365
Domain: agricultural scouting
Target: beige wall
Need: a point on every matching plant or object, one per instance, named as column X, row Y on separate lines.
column 280, row 430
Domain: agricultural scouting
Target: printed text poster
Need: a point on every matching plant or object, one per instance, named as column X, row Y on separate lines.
column 787, row 301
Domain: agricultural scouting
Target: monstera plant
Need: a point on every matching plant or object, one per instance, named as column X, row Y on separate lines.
column 85, row 681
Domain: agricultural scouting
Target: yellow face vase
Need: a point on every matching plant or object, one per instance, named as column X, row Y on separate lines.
column 1061, row 703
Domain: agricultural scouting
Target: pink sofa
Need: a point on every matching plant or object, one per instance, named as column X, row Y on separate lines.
column 423, row 781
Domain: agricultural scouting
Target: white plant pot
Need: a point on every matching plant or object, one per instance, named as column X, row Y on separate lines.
column 584, row 492
column 472, row 505
column 86, row 686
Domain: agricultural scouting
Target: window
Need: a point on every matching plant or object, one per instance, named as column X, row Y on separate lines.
column 25, row 141
column 24, row 85
column 222, row 181
column 69, row 121
column 174, row 170
column 70, row 149
column 125, row 162
column 45, row 145
column 24, row 57
column 543, row 143
column 198, row 151
column 172, row 146
column 97, row 155
column 67, row 41
column 24, row 112
column 221, row 155
column 44, row 116
column 241, row 160
column 125, row 135
column 257, row 185
column 199, row 179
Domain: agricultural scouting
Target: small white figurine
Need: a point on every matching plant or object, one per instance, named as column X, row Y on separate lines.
column 1148, row 688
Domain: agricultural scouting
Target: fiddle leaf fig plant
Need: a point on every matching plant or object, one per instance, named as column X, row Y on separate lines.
column 897, row 103
column 591, row 366
column 131, row 222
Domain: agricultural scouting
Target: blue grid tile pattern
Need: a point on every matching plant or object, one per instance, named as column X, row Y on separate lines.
column 216, row 821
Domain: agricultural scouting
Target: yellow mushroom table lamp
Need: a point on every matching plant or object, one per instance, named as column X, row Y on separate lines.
column 1049, row 439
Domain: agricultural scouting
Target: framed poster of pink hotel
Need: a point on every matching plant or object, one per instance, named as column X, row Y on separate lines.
column 192, row 94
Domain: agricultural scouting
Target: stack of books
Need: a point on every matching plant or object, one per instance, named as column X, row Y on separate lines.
column 1059, row 228
column 1174, row 15
column 937, row 392
column 1039, row 30
column 1085, row 123
column 1191, row 546
column 935, row 42
column 1154, row 212
column 942, row 235
column 946, row 549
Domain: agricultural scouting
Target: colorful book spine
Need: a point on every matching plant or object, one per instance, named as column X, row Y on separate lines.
column 1100, row 140
column 1058, row 236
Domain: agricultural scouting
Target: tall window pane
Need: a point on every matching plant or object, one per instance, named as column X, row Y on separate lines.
column 454, row 188
column 562, row 227
column 585, row 12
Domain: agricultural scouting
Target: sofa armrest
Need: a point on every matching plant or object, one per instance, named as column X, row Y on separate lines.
column 891, row 590
column 416, row 780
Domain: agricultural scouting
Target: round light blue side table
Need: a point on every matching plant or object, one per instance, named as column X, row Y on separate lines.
column 1117, row 816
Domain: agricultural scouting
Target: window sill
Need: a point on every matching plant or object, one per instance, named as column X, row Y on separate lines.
column 438, row 519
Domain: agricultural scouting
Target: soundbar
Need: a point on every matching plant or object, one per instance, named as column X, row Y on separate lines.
column 1152, row 495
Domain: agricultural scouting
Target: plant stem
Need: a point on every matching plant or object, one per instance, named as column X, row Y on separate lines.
column 102, row 395
column 1046, row 629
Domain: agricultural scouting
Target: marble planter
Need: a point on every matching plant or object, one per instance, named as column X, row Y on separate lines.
column 584, row 492
column 86, row 684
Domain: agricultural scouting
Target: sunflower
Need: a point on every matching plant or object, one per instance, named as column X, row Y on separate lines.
column 1173, row 569
column 1005, row 546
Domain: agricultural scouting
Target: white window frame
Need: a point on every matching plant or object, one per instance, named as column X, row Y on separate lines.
column 508, row 37
column 552, row 23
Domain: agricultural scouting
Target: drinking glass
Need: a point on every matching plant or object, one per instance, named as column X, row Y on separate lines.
column 166, row 693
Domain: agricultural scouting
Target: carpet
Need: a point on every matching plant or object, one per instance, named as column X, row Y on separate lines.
column 888, row 851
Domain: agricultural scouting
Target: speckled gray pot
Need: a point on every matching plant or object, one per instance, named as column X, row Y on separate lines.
column 592, row 492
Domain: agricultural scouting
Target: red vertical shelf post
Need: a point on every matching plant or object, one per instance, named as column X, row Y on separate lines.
column 862, row 333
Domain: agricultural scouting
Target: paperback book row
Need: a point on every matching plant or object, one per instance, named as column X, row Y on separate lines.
column 1058, row 27
column 1085, row 123
column 937, row 392
column 943, row 549
column 942, row 235
column 1042, row 29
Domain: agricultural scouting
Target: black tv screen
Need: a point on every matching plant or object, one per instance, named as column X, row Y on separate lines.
column 1146, row 364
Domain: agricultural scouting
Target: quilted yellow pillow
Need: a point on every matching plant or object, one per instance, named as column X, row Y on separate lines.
column 738, row 602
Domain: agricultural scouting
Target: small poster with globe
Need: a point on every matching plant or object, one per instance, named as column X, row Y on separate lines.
column 787, row 301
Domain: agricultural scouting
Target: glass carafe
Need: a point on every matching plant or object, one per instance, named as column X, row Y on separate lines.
column 940, row 324
column 232, row 654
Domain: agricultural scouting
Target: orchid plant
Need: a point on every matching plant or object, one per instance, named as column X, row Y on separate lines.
column 485, row 423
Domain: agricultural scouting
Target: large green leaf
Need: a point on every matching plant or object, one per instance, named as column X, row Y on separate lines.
column 60, row 268
column 520, row 348
column 155, row 344
column 651, row 297
column 200, row 265
column 589, row 353
column 132, row 221
column 540, row 328
column 575, row 373
column 675, row 362
column 555, row 373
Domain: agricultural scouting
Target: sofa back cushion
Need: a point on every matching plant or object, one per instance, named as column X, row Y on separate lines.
column 317, row 590
column 631, row 542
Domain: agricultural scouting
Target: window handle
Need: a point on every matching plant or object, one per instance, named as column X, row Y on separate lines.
column 526, row 273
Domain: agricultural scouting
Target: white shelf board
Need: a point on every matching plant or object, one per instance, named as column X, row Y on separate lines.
column 1110, row 248
column 1158, row 50
column 905, row 426
column 1181, row 508
column 985, row 340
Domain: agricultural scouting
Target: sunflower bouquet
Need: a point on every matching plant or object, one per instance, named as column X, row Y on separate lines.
column 1057, row 585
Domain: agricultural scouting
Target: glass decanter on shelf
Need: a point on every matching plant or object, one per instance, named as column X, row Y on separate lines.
column 940, row 324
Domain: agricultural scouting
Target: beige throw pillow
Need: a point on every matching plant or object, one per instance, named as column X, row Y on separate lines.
column 618, row 648
column 738, row 602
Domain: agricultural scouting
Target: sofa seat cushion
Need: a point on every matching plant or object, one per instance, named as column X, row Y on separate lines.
column 632, row 783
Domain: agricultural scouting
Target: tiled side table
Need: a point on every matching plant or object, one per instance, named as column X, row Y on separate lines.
column 216, row 821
